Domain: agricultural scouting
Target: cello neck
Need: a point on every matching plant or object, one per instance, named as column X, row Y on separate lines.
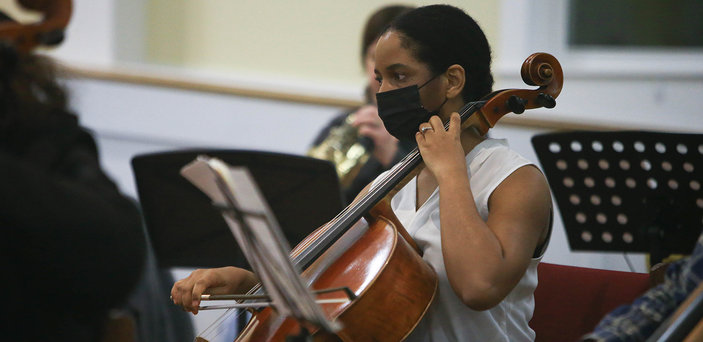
column 386, row 188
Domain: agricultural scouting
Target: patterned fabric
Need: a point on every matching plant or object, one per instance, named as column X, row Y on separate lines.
column 639, row 320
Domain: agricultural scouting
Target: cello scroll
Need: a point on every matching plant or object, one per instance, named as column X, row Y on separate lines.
column 539, row 69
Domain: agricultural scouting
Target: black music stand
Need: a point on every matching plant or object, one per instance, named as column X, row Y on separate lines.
column 187, row 231
column 626, row 191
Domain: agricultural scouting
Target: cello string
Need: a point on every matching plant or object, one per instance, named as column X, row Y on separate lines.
column 412, row 156
column 406, row 161
column 351, row 212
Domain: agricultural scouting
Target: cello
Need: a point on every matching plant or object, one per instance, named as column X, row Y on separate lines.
column 366, row 250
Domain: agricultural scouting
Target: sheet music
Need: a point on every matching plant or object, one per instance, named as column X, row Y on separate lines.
column 258, row 235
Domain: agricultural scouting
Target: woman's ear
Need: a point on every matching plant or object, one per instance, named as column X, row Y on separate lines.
column 456, row 79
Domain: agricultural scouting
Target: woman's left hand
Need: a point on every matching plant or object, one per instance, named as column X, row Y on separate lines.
column 369, row 124
column 441, row 150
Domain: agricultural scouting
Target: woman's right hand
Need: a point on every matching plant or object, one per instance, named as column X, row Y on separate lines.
column 224, row 280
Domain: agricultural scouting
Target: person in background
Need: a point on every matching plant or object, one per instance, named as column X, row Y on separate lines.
column 386, row 149
column 639, row 320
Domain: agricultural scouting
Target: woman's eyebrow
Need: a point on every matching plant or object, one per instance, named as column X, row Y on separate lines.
column 395, row 66
column 392, row 67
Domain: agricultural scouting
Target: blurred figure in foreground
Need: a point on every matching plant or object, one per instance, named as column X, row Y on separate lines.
column 73, row 246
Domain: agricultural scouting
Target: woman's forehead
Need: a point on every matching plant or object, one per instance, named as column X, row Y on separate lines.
column 390, row 51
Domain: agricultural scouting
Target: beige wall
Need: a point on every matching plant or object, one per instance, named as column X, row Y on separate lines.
column 311, row 41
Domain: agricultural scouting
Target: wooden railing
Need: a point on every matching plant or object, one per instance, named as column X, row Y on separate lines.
column 158, row 79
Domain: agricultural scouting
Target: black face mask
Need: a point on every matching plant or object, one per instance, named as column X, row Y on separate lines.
column 402, row 112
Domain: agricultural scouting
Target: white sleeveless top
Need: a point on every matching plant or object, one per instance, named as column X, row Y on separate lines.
column 448, row 318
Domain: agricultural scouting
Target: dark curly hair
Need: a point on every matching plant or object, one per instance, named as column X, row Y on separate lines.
column 443, row 35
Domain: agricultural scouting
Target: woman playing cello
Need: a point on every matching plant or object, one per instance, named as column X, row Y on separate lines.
column 479, row 212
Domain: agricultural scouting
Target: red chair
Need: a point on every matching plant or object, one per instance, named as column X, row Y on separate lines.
column 570, row 301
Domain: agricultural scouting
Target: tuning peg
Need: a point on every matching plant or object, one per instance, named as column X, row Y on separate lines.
column 516, row 104
column 545, row 100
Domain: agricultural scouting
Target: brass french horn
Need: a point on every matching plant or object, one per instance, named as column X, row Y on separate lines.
column 344, row 149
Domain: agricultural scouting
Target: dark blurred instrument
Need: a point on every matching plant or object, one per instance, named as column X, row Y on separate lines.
column 49, row 31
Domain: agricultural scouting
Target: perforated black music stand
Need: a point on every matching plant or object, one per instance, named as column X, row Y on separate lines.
column 626, row 191
column 187, row 231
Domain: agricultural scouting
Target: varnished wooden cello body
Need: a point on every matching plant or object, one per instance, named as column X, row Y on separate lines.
column 366, row 249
